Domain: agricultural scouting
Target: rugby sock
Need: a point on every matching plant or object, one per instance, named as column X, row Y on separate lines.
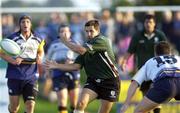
column 157, row 110
column 78, row 111
column 62, row 109
column 72, row 109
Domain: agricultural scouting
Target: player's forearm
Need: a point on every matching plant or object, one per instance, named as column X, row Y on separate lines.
column 74, row 47
column 126, row 57
column 68, row 67
column 131, row 91
column 7, row 58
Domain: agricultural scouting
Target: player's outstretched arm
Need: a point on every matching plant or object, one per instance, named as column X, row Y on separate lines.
column 65, row 67
column 131, row 92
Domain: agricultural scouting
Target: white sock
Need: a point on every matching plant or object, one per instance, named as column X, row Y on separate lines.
column 78, row 111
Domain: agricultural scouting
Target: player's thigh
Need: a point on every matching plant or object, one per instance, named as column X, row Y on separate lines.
column 105, row 106
column 62, row 97
column 145, row 105
column 14, row 101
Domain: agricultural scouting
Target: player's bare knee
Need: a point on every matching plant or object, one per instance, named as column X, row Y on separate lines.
column 82, row 105
column 30, row 104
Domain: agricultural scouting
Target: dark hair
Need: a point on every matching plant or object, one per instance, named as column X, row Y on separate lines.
column 150, row 16
column 24, row 16
column 162, row 48
column 62, row 26
column 94, row 23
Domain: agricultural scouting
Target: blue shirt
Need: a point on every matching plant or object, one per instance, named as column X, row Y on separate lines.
column 60, row 53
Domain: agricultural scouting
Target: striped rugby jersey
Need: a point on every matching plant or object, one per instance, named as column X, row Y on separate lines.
column 159, row 67
column 29, row 53
column 99, row 60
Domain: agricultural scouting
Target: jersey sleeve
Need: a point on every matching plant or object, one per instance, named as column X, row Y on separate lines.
column 98, row 45
column 140, row 76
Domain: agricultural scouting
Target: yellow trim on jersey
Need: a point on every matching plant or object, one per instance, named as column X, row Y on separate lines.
column 41, row 45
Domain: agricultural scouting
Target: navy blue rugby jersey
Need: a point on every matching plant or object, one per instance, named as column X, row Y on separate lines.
column 29, row 49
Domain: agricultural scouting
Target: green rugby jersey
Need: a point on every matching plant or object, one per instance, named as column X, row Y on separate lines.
column 143, row 48
column 99, row 60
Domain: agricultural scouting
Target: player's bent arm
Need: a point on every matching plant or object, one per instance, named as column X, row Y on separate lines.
column 131, row 91
column 75, row 47
column 124, row 60
column 40, row 55
column 7, row 58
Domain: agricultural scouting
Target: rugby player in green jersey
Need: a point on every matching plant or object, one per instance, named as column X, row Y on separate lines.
column 97, row 58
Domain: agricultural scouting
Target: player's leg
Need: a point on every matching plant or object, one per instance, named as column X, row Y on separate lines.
column 73, row 95
column 30, row 90
column 13, row 104
column 47, row 87
column 29, row 106
column 14, row 95
column 73, row 87
column 162, row 91
column 145, row 105
column 62, row 96
column 144, row 89
column 108, row 92
column 86, row 96
column 105, row 106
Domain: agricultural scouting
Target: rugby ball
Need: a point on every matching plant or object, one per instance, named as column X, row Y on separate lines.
column 10, row 47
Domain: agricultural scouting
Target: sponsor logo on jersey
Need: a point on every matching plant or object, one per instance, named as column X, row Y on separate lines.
column 98, row 80
column 113, row 94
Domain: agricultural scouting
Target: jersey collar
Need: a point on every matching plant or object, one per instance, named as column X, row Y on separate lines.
column 31, row 36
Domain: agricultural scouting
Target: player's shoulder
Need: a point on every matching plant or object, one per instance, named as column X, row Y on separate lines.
column 102, row 38
column 56, row 43
column 37, row 37
column 138, row 34
column 150, row 61
column 14, row 35
column 159, row 32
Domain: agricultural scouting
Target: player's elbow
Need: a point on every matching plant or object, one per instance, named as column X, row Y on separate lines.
column 80, row 50
column 135, row 83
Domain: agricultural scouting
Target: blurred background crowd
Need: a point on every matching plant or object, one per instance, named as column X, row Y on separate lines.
column 117, row 26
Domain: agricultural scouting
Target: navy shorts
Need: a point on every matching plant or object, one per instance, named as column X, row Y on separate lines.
column 164, row 90
column 106, row 89
column 28, row 88
column 68, row 80
column 145, row 86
